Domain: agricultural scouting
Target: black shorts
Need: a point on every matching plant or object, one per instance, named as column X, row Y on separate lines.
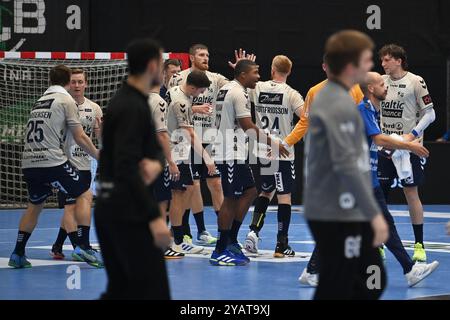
column 163, row 187
column 236, row 178
column 65, row 199
column 387, row 172
column 186, row 178
column 200, row 170
column 65, row 178
column 277, row 175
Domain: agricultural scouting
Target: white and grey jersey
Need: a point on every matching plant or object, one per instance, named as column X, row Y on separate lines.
column 179, row 116
column 275, row 105
column 338, row 184
column 50, row 119
column 232, row 103
column 88, row 112
column 406, row 101
column 203, row 124
column 158, row 109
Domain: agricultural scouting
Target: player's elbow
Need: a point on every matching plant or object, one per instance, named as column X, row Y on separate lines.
column 432, row 115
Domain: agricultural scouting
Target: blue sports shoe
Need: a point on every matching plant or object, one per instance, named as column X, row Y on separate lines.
column 236, row 249
column 90, row 256
column 225, row 258
column 18, row 261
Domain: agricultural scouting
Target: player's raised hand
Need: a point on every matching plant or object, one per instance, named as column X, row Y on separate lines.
column 241, row 55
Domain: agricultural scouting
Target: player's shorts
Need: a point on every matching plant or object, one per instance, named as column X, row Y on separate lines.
column 200, row 170
column 186, row 178
column 387, row 171
column 65, row 178
column 163, row 186
column 65, row 199
column 236, row 178
column 281, row 178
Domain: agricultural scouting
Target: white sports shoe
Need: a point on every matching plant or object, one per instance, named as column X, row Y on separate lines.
column 251, row 242
column 186, row 248
column 309, row 279
column 419, row 272
column 206, row 239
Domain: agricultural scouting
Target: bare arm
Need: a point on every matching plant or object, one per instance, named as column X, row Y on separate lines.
column 84, row 141
column 164, row 141
column 247, row 124
column 386, row 141
column 197, row 144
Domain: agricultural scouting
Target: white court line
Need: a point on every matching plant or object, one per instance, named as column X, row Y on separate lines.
column 395, row 213
column 263, row 256
column 39, row 263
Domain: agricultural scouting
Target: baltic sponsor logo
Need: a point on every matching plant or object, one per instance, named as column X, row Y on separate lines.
column 392, row 109
column 202, row 99
column 270, row 98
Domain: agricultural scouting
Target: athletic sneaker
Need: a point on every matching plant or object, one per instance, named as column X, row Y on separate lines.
column 206, row 239
column 309, row 279
column 382, row 252
column 89, row 255
column 57, row 253
column 172, row 254
column 283, row 249
column 236, row 249
column 18, row 261
column 251, row 242
column 419, row 253
column 419, row 272
column 187, row 239
column 226, row 258
column 186, row 247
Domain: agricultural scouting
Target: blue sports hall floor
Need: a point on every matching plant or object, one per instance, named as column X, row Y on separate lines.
column 194, row 278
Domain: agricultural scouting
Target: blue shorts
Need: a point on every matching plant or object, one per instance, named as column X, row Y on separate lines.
column 281, row 178
column 65, row 199
column 186, row 178
column 163, row 186
column 200, row 170
column 42, row 181
column 236, row 178
column 387, row 171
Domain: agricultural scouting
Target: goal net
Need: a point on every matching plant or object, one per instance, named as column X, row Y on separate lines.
column 22, row 82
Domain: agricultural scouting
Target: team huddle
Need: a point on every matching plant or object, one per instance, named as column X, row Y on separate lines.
column 212, row 130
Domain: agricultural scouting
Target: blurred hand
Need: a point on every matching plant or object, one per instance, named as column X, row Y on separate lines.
column 448, row 228
column 211, row 169
column 174, row 172
column 203, row 109
column 160, row 232
column 282, row 151
column 150, row 170
column 419, row 149
column 380, row 230
column 408, row 137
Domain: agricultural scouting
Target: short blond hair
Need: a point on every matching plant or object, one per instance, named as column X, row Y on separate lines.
column 282, row 64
